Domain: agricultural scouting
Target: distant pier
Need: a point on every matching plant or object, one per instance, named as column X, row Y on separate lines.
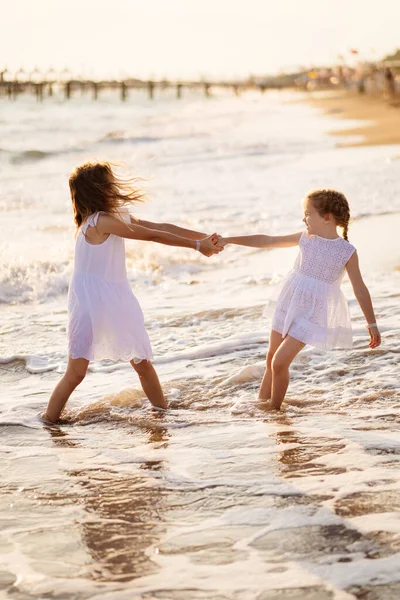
column 381, row 78
column 45, row 85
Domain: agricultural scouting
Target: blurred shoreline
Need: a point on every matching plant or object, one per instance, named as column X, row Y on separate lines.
column 379, row 120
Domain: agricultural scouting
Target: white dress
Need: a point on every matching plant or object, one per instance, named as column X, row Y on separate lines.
column 311, row 307
column 105, row 318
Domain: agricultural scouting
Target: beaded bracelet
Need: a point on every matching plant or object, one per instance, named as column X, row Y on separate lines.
column 197, row 244
column 371, row 325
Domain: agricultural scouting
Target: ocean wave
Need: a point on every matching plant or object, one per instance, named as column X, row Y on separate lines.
column 28, row 156
column 35, row 155
column 215, row 314
column 119, row 137
column 36, row 282
column 147, row 264
column 369, row 215
column 40, row 281
column 232, row 344
column 32, row 363
column 40, row 363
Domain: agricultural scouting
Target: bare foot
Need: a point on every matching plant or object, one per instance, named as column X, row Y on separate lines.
column 44, row 417
column 266, row 404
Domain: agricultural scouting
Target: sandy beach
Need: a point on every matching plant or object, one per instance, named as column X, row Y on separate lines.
column 380, row 120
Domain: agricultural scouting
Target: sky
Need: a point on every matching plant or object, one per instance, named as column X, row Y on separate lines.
column 193, row 38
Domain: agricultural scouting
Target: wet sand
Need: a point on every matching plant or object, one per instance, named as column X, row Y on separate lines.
column 381, row 120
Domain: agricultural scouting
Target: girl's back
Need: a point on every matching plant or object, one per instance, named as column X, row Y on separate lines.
column 104, row 260
column 105, row 319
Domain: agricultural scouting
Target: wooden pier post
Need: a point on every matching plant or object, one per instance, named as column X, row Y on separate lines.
column 67, row 90
column 179, row 91
column 95, row 90
column 11, row 91
column 150, row 88
column 50, row 79
column 124, row 91
column 39, row 91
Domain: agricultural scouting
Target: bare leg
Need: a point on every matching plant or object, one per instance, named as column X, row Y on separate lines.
column 75, row 373
column 280, row 369
column 275, row 340
column 150, row 383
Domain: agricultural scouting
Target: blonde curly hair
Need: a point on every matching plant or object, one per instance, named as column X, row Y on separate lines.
column 327, row 201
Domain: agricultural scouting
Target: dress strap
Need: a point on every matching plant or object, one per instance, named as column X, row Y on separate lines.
column 91, row 221
column 123, row 214
column 304, row 236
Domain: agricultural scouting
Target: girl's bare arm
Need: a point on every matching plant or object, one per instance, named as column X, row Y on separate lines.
column 108, row 224
column 363, row 298
column 190, row 234
column 263, row 241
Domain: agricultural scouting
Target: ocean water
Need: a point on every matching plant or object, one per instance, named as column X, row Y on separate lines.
column 214, row 499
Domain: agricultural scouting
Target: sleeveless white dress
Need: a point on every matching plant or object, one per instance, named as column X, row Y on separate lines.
column 311, row 307
column 105, row 318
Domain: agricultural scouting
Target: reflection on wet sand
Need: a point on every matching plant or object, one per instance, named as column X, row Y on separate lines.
column 301, row 459
column 124, row 513
column 343, row 539
column 212, row 519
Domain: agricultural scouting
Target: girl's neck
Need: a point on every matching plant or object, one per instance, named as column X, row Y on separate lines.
column 327, row 234
column 326, row 237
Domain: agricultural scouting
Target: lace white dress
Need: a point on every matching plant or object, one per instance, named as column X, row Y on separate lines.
column 105, row 318
column 311, row 307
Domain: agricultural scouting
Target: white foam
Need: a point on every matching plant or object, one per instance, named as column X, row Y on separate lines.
column 365, row 571
column 388, row 521
column 34, row 364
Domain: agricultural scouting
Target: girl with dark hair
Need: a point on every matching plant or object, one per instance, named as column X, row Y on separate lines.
column 105, row 319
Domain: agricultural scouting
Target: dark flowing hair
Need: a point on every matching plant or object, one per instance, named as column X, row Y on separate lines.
column 333, row 202
column 95, row 187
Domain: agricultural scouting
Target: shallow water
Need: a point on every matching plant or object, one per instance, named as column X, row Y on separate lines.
column 215, row 498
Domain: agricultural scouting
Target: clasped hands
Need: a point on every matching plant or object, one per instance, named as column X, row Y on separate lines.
column 211, row 244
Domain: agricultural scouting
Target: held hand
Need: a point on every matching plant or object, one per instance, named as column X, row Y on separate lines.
column 375, row 336
column 216, row 238
column 222, row 241
column 210, row 245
